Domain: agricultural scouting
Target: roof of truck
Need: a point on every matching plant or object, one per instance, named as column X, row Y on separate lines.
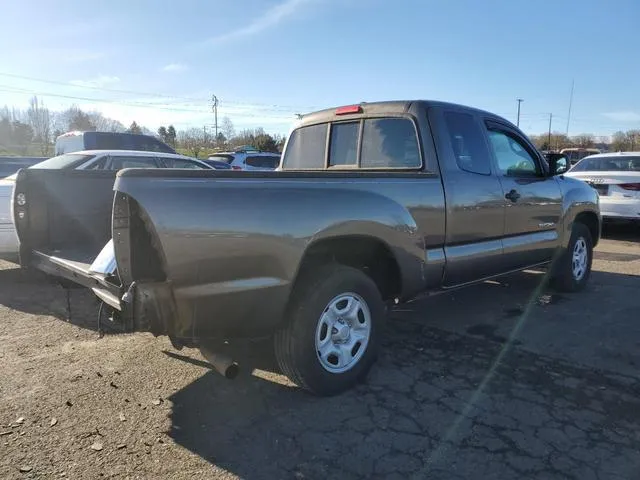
column 376, row 108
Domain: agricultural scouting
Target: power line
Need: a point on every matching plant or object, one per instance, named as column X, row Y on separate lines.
column 131, row 103
column 203, row 100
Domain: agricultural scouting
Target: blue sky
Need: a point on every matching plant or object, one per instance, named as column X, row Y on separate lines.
column 268, row 59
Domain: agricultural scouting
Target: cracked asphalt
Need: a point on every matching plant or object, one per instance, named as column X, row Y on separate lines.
column 498, row 381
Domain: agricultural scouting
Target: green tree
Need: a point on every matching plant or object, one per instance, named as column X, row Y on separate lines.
column 163, row 134
column 134, row 128
column 265, row 143
column 171, row 135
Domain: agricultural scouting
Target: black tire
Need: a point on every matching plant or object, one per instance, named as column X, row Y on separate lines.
column 295, row 342
column 564, row 278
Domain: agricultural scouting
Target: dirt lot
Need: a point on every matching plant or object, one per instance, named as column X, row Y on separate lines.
column 493, row 382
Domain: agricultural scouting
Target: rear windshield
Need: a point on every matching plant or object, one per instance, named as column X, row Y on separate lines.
column 608, row 164
column 61, row 162
column 263, row 161
column 387, row 143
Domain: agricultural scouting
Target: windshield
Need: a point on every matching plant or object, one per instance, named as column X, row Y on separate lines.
column 608, row 164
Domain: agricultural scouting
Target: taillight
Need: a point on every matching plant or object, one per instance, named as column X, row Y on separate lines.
column 348, row 109
column 19, row 207
column 630, row 186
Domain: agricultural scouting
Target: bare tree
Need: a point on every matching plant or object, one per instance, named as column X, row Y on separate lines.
column 75, row 119
column 192, row 140
column 584, row 140
column 40, row 122
column 105, row 124
column 227, row 128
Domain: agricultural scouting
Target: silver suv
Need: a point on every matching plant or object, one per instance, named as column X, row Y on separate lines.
column 248, row 159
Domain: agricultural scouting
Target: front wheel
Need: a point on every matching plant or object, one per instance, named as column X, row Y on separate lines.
column 330, row 339
column 574, row 266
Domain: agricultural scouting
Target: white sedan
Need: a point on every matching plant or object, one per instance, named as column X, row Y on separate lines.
column 86, row 160
column 616, row 178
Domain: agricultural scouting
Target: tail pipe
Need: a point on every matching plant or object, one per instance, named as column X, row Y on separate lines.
column 221, row 362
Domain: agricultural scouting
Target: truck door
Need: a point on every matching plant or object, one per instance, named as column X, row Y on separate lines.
column 474, row 197
column 533, row 200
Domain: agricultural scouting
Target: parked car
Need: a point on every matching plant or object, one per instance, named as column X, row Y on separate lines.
column 376, row 203
column 248, row 160
column 575, row 154
column 616, row 178
column 109, row 160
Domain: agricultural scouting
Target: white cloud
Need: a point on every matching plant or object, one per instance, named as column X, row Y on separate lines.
column 99, row 81
column 623, row 116
column 271, row 18
column 174, row 67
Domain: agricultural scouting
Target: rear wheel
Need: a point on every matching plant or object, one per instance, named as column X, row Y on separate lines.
column 331, row 336
column 574, row 266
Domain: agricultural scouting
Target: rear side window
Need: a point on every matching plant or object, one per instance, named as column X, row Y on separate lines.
column 118, row 163
column 344, row 144
column 389, row 143
column 263, row 161
column 467, row 142
column 306, row 147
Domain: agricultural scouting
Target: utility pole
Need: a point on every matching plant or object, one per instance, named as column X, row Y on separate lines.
column 519, row 100
column 570, row 104
column 549, row 138
column 214, row 107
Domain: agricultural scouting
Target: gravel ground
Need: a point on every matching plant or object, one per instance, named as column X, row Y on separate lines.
column 496, row 381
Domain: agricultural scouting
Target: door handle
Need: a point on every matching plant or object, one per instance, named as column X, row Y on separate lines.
column 513, row 195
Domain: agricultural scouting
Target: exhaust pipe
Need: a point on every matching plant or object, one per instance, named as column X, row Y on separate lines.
column 222, row 363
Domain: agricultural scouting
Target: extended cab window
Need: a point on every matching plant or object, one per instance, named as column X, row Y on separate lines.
column 306, row 147
column 511, row 155
column 389, row 143
column 467, row 143
column 344, row 144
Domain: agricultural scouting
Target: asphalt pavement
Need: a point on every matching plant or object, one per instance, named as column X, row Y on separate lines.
column 498, row 381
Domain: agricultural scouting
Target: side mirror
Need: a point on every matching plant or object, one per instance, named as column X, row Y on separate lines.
column 558, row 163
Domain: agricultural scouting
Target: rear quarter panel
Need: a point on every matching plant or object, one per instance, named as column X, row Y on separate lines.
column 233, row 245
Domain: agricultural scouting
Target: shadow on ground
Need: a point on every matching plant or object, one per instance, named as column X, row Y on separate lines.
column 33, row 292
column 621, row 231
column 449, row 398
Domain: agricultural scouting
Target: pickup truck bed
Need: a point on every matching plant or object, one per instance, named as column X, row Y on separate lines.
column 375, row 203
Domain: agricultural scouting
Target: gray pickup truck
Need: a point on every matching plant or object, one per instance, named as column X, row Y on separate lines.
column 372, row 205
